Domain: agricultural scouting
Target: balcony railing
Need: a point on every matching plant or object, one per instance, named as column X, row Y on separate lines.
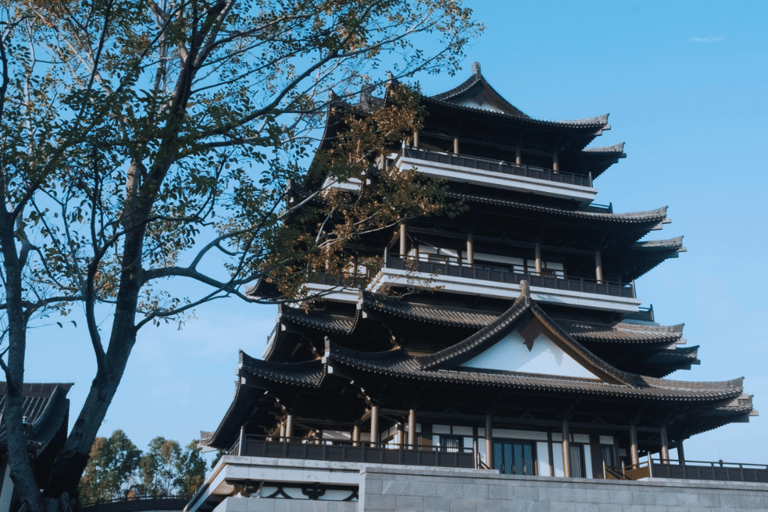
column 502, row 275
column 699, row 470
column 348, row 451
column 485, row 164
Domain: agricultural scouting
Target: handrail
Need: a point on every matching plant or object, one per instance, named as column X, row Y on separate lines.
column 712, row 464
column 442, row 265
column 388, row 445
column 501, row 166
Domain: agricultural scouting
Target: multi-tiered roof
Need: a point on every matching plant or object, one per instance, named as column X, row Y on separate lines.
column 522, row 311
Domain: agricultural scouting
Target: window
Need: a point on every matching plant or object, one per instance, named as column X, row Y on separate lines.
column 578, row 467
column 609, row 456
column 451, row 443
column 513, row 457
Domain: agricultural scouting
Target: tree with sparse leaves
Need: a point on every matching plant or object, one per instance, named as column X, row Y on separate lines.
column 143, row 140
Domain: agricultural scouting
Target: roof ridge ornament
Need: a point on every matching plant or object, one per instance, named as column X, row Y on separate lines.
column 476, row 69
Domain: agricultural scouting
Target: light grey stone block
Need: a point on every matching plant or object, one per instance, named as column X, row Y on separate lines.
column 462, row 505
column 435, row 504
column 475, row 491
column 397, row 487
column 500, row 492
column 377, row 502
column 409, row 503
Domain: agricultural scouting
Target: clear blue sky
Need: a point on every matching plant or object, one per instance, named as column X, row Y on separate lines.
column 685, row 83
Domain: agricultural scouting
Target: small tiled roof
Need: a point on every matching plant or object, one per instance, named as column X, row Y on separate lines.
column 430, row 314
column 658, row 215
column 317, row 319
column 623, row 332
column 674, row 244
column 45, row 408
column 304, row 374
column 616, row 148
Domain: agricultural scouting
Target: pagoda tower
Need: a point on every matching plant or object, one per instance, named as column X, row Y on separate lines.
column 509, row 337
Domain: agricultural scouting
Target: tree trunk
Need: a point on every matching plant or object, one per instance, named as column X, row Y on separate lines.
column 71, row 461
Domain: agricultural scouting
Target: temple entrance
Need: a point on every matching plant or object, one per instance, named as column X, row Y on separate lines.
column 513, row 457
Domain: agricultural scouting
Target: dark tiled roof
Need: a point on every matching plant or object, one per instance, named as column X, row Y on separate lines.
column 305, row 374
column 430, row 314
column 616, row 148
column 623, row 332
column 589, row 122
column 666, row 245
column 45, row 408
column 317, row 319
column 658, row 215
column 397, row 363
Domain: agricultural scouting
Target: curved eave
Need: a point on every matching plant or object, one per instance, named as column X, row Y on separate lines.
column 398, row 365
column 317, row 320
column 650, row 218
column 449, row 317
column 307, row 374
column 478, row 80
column 641, row 257
column 624, row 333
column 586, row 126
column 590, row 162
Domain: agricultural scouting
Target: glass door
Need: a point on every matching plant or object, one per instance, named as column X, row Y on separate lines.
column 513, row 457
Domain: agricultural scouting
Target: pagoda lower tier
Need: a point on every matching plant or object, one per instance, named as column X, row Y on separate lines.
column 525, row 393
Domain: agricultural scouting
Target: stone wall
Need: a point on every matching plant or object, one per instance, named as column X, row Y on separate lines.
column 434, row 490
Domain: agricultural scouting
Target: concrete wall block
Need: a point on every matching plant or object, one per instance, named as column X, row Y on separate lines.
column 500, row 492
column 371, row 486
column 523, row 492
column 708, row 500
column 620, row 496
column 475, row 491
column 668, row 497
column 463, row 505
column 260, row 504
column 644, row 496
column 752, row 501
column 421, row 487
column 730, row 500
column 569, row 493
column 687, row 499
column 597, row 495
column 396, row 487
column 559, row 506
column 376, row 502
column 435, row 504
column 447, row 489
column 409, row 503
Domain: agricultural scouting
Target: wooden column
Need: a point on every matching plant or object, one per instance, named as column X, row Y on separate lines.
column 355, row 435
column 282, row 430
column 400, row 433
column 416, row 139
column 537, row 256
column 634, row 458
column 555, row 162
column 374, row 425
column 664, row 446
column 470, row 250
column 680, row 453
column 566, row 449
column 455, row 145
column 518, row 156
column 489, row 440
column 412, row 429
column 289, row 425
column 403, row 241
column 598, row 267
